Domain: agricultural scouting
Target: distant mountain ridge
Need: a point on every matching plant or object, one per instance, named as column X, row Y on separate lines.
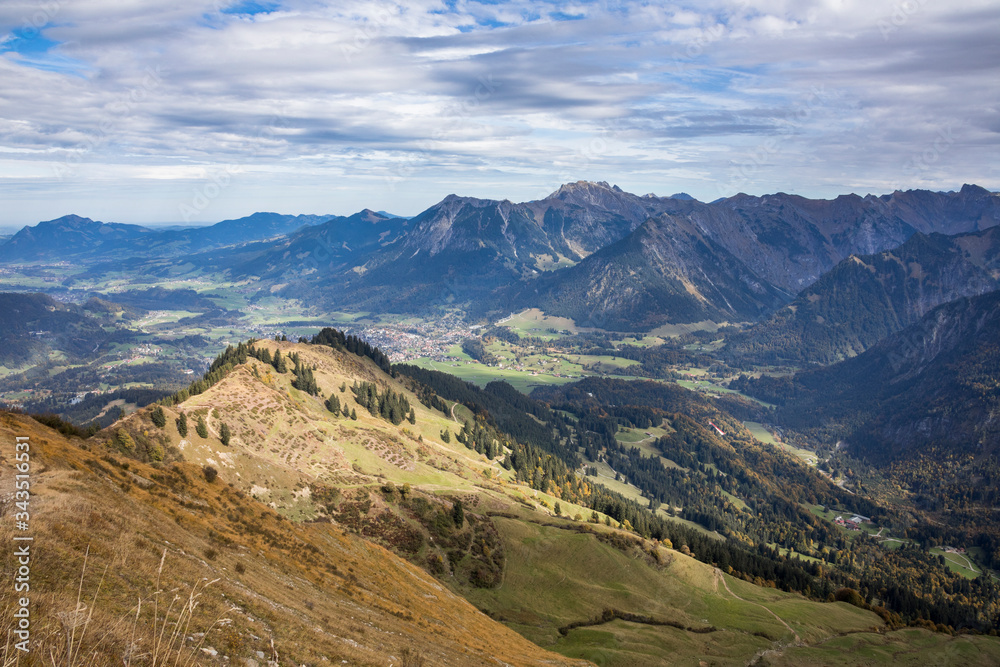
column 933, row 383
column 742, row 257
column 589, row 251
column 78, row 237
column 66, row 236
column 867, row 297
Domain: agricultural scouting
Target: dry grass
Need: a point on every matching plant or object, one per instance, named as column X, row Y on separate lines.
column 119, row 576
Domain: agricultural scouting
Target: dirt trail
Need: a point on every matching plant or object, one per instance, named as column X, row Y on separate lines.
column 719, row 577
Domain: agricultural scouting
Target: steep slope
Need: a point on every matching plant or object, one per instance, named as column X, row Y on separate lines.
column 865, row 298
column 462, row 248
column 198, row 553
column 668, row 270
column 404, row 484
column 934, row 382
column 740, row 257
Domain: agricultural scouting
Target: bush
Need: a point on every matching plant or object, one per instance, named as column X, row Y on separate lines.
column 850, row 596
column 210, row 473
column 124, row 441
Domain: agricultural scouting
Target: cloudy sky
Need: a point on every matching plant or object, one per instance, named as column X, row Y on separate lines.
column 158, row 110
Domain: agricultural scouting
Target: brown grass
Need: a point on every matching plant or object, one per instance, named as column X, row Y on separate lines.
column 120, row 575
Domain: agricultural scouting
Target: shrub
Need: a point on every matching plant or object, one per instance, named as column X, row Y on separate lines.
column 124, row 440
column 210, row 473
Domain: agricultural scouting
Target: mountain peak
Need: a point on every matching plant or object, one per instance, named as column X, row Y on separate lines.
column 569, row 189
column 72, row 218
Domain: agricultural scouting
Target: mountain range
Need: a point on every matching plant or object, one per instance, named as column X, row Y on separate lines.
column 934, row 383
column 868, row 297
column 589, row 251
column 78, row 238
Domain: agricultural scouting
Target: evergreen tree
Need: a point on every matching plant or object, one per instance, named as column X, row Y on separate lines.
column 446, row 435
column 304, row 378
column 333, row 405
column 412, row 417
column 224, row 433
column 158, row 418
column 458, row 514
column 354, row 414
column 182, row 425
column 200, row 428
column 279, row 362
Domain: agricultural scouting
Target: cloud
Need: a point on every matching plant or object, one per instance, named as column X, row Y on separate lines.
column 398, row 104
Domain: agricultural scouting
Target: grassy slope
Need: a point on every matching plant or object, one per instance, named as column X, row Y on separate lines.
column 285, row 441
column 318, row 593
column 555, row 577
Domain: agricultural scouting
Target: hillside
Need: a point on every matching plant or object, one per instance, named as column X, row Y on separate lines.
column 865, row 298
column 668, row 270
column 37, row 327
column 932, row 383
column 395, row 478
column 206, row 555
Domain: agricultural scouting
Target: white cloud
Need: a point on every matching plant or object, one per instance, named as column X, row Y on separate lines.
column 406, row 102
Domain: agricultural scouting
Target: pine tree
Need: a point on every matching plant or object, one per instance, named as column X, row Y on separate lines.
column 225, row 434
column 354, row 414
column 333, row 405
column 446, row 435
column 458, row 514
column 200, row 428
column 182, row 425
column 158, row 418
column 279, row 362
column 412, row 418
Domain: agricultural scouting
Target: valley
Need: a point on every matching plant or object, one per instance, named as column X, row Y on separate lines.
column 612, row 484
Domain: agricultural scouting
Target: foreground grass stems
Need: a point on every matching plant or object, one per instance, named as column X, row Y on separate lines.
column 71, row 620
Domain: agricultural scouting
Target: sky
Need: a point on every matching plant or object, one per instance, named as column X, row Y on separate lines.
column 152, row 111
